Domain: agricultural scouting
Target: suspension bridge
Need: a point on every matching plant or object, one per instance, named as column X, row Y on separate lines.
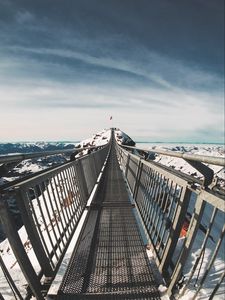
column 125, row 208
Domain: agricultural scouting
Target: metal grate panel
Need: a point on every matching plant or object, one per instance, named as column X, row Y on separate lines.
column 110, row 260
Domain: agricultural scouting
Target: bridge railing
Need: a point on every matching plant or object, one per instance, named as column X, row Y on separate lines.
column 184, row 223
column 11, row 158
column 51, row 205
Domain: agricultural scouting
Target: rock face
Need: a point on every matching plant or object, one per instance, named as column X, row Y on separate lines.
column 123, row 139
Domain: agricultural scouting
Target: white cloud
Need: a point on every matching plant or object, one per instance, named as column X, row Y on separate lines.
column 37, row 107
column 147, row 64
column 64, row 111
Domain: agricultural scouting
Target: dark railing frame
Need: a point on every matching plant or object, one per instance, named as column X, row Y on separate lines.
column 134, row 168
column 11, row 158
column 84, row 171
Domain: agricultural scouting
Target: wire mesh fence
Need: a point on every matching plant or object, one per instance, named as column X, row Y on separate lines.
column 184, row 223
column 51, row 205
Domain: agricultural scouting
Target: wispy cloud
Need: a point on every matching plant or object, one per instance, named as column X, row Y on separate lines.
column 157, row 69
column 52, row 65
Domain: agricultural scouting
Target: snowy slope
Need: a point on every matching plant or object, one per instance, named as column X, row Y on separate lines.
column 31, row 166
column 123, row 139
column 183, row 166
column 99, row 139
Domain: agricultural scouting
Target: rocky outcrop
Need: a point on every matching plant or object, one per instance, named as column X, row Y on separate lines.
column 123, row 139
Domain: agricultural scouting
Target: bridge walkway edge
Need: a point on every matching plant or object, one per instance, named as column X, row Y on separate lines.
column 110, row 260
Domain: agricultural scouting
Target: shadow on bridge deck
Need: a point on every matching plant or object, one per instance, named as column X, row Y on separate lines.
column 110, row 260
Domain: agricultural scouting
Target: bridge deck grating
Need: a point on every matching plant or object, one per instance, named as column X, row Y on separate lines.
column 110, row 261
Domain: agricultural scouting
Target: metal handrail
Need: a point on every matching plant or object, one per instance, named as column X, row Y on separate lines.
column 19, row 157
column 219, row 161
column 170, row 208
column 51, row 205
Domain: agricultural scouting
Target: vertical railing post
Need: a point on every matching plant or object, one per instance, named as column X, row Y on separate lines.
column 138, row 177
column 82, row 180
column 175, row 231
column 19, row 251
column 9, row 279
column 94, row 165
column 192, row 231
column 24, row 207
column 127, row 165
column 120, row 154
column 97, row 160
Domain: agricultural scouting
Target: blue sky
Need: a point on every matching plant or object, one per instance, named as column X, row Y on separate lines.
column 156, row 66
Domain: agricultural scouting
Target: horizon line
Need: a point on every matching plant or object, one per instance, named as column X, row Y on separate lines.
column 136, row 141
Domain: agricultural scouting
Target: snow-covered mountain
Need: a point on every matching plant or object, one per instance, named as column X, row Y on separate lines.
column 123, row 139
column 30, row 166
column 30, row 147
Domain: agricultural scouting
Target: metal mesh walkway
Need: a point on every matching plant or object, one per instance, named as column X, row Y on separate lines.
column 110, row 261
